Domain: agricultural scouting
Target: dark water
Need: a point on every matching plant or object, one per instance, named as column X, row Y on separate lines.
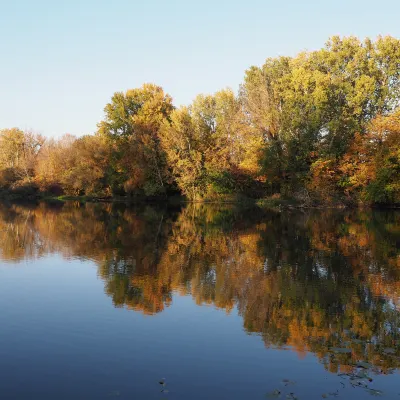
column 104, row 302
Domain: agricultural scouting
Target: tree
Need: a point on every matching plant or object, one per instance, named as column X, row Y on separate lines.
column 19, row 151
column 132, row 123
column 384, row 150
column 206, row 145
column 87, row 162
column 309, row 107
column 185, row 153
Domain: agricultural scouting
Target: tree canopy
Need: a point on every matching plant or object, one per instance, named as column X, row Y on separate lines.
column 322, row 126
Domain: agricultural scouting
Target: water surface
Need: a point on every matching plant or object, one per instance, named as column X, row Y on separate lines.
column 102, row 301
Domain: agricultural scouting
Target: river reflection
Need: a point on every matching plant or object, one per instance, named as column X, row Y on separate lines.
column 326, row 282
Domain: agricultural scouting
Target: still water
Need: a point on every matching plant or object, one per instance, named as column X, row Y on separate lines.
column 102, row 301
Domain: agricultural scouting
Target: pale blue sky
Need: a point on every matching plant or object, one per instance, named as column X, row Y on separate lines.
column 62, row 60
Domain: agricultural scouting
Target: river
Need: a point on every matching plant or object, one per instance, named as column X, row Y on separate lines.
column 109, row 301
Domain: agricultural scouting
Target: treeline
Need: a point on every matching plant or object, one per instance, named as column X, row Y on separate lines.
column 323, row 126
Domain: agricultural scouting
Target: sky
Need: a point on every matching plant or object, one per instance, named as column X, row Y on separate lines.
column 61, row 60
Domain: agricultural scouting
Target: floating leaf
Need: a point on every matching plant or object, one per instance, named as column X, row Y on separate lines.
column 275, row 393
column 333, row 394
column 291, row 396
column 375, row 392
column 287, row 382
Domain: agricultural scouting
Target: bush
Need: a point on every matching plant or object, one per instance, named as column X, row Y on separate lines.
column 24, row 189
column 8, row 177
column 53, row 189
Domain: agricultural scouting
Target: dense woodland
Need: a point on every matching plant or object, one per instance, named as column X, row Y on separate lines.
column 321, row 127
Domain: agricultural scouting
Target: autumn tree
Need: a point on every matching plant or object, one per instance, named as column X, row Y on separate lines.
column 53, row 161
column 132, row 122
column 371, row 168
column 19, row 151
column 207, row 145
column 75, row 166
column 308, row 108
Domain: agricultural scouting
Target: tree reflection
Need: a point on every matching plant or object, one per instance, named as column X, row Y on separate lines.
column 314, row 281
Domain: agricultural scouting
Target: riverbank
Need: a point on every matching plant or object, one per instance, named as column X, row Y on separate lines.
column 272, row 202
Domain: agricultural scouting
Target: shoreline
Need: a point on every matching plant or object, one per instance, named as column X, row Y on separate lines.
column 237, row 200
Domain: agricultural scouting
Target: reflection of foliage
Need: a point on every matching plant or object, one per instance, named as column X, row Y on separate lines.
column 314, row 282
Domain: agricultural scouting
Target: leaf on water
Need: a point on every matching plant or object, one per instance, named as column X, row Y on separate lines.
column 287, row 382
column 333, row 394
column 341, row 350
column 291, row 396
column 375, row 392
column 275, row 393
column 165, row 391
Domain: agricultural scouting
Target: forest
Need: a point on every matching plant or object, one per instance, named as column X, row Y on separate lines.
column 322, row 127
